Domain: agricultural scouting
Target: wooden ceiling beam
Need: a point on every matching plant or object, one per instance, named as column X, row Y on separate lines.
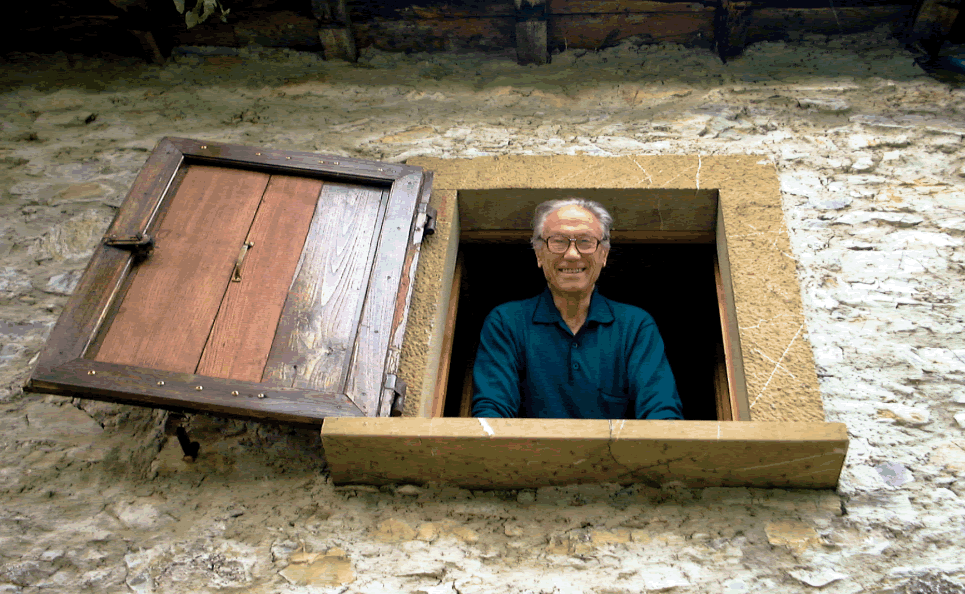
column 933, row 22
column 335, row 30
column 531, row 46
column 731, row 24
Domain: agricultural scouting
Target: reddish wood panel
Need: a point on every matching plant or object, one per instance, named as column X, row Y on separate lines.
column 591, row 31
column 316, row 335
column 242, row 334
column 170, row 307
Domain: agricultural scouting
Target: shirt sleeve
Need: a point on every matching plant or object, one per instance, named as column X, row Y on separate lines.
column 496, row 372
column 652, row 384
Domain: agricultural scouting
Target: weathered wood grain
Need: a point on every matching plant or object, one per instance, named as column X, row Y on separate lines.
column 727, row 306
column 107, row 269
column 448, row 335
column 241, row 337
column 151, row 387
column 518, row 453
column 169, row 309
column 626, row 6
column 595, row 31
column 365, row 379
column 403, row 298
column 317, row 332
column 292, row 162
column 437, row 34
column 465, row 398
column 733, row 19
column 934, row 20
column 722, row 395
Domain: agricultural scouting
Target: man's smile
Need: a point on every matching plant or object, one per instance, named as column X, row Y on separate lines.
column 572, row 270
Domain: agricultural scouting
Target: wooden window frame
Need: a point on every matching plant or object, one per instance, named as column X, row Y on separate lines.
column 730, row 387
column 63, row 367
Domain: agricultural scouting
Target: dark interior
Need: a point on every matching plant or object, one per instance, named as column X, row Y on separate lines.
column 673, row 282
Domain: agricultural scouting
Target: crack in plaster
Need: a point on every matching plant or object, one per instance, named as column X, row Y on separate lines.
column 784, row 354
column 700, row 164
column 777, row 364
column 649, row 179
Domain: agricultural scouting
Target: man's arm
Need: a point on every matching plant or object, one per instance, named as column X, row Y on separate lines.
column 652, row 385
column 496, row 372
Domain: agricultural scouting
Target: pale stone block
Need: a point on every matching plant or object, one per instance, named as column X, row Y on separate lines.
column 794, row 535
column 394, row 530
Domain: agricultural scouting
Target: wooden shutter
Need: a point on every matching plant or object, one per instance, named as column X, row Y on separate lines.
column 244, row 281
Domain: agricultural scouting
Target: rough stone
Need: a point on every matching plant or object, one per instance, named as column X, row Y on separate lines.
column 797, row 536
column 56, row 421
column 818, row 578
column 394, row 530
column 893, row 474
column 331, row 569
column 906, row 415
column 63, row 284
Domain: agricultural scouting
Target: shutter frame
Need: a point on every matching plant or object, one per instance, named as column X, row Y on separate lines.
column 63, row 367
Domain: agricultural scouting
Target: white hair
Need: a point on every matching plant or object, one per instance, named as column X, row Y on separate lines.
column 544, row 209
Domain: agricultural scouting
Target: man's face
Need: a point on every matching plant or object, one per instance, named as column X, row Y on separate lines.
column 571, row 272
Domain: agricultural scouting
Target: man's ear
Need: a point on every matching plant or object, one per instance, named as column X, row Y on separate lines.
column 539, row 263
column 606, row 253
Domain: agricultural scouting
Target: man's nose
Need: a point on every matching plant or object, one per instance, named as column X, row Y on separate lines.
column 571, row 252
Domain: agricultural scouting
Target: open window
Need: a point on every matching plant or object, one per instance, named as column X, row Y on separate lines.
column 709, row 232
column 665, row 241
column 253, row 282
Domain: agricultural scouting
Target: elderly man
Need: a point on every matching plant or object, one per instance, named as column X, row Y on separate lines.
column 571, row 352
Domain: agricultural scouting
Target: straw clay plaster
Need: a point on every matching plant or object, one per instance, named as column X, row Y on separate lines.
column 778, row 362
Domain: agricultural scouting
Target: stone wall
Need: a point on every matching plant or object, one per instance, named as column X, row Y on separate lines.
column 869, row 149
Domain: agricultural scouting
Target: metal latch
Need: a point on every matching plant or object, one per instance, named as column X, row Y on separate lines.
column 141, row 244
column 236, row 274
column 392, row 382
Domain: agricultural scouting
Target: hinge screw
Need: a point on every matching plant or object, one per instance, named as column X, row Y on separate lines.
column 199, row 388
column 234, row 392
column 336, row 162
column 257, row 154
column 380, row 169
column 204, row 146
column 160, row 383
column 261, row 395
column 91, row 372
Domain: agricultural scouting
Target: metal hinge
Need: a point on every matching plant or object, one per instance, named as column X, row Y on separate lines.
column 392, row 382
column 141, row 244
column 428, row 216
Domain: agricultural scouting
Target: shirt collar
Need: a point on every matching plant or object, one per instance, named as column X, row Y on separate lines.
column 546, row 312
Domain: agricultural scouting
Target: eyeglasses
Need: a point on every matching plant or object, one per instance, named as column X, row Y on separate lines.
column 559, row 244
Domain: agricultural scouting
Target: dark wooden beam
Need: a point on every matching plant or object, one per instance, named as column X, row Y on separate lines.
column 149, row 45
column 732, row 20
column 335, row 30
column 531, row 47
column 933, row 22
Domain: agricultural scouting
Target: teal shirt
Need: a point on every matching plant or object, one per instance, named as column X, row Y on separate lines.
column 530, row 365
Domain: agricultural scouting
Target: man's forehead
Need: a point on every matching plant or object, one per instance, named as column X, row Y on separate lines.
column 572, row 214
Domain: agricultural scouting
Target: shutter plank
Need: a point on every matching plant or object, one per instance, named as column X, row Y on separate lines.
column 316, row 334
column 151, row 387
column 366, row 375
column 170, row 307
column 242, row 334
